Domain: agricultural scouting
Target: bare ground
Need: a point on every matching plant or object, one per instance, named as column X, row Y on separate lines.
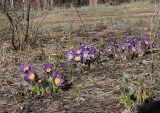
column 94, row 91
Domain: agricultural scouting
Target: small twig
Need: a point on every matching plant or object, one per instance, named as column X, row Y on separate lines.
column 81, row 20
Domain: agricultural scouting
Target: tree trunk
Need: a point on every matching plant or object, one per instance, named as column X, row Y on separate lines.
column 93, row 2
column 60, row 2
column 51, row 4
column 79, row 2
column 48, row 4
column 12, row 5
column 24, row 5
column 44, row 4
column 37, row 5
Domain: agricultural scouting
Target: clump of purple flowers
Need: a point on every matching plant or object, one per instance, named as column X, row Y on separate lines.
column 50, row 83
column 84, row 53
column 132, row 48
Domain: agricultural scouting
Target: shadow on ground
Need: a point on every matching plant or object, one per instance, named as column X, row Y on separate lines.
column 151, row 107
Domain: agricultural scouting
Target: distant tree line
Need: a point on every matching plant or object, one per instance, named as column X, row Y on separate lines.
column 50, row 4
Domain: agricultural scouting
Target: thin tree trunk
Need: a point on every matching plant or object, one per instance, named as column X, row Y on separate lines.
column 28, row 21
column 12, row 4
column 93, row 2
column 44, row 4
column 2, row 1
column 37, row 5
column 24, row 6
column 51, row 4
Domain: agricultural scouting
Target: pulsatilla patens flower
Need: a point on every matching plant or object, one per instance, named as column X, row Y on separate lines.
column 154, row 44
column 87, row 47
column 134, row 49
column 82, row 44
column 78, row 58
column 85, row 55
column 123, row 46
column 145, row 42
column 92, row 56
column 48, row 68
column 148, row 43
column 58, row 74
column 25, row 68
column 31, row 76
column 78, row 51
column 70, row 56
column 58, row 80
column 132, row 42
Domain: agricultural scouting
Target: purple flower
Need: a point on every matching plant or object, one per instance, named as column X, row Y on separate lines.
column 69, row 56
column 58, row 74
column 93, row 53
column 92, row 56
column 48, row 68
column 25, row 68
column 53, row 75
column 58, row 81
column 132, row 41
column 123, row 46
column 148, row 43
column 145, row 42
column 78, row 58
column 94, row 50
column 82, row 44
column 85, row 55
column 154, row 44
column 31, row 76
column 87, row 47
column 78, row 51
column 134, row 49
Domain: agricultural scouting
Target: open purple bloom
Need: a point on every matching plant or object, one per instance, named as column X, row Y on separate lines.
column 48, row 68
column 58, row 81
column 145, row 42
column 31, row 76
column 85, row 55
column 78, row 58
column 134, row 49
column 69, row 56
column 92, row 56
column 78, row 51
column 25, row 68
